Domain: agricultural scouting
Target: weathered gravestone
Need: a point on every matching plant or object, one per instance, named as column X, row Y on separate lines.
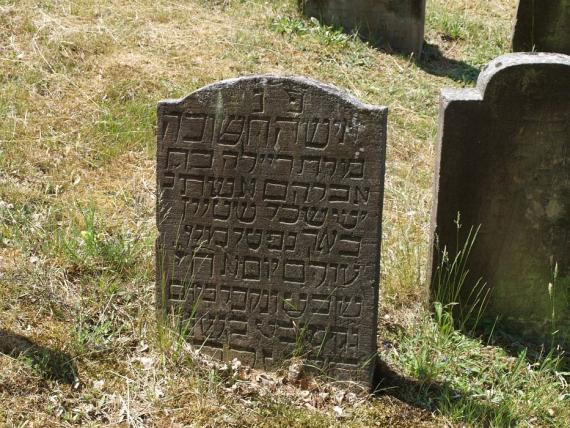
column 504, row 165
column 398, row 24
column 269, row 216
column 542, row 26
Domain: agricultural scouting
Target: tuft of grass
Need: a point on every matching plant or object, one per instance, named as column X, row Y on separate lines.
column 86, row 247
column 453, row 27
column 449, row 284
column 15, row 222
column 477, row 29
column 324, row 34
column 121, row 128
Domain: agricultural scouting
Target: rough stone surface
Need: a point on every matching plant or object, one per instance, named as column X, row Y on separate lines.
column 504, row 165
column 397, row 24
column 542, row 26
column 269, row 215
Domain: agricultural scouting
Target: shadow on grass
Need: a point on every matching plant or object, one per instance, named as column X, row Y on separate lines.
column 535, row 350
column 49, row 364
column 432, row 396
column 433, row 62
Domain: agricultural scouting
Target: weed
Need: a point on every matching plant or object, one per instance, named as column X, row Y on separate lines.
column 15, row 221
column 287, row 25
column 177, row 319
column 479, row 383
column 456, row 306
column 559, row 296
column 88, row 248
column 451, row 26
column 96, row 333
column 324, row 34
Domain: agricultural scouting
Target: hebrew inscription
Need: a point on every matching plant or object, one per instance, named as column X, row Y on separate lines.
column 269, row 215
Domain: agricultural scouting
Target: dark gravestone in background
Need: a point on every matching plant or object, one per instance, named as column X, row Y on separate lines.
column 504, row 164
column 542, row 26
column 269, row 215
column 398, row 24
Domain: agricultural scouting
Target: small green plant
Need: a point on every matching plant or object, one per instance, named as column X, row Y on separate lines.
column 90, row 249
column 16, row 224
column 302, row 346
column 124, row 124
column 479, row 384
column 559, row 297
column 50, row 364
column 452, row 27
column 551, row 294
column 287, row 25
column 324, row 34
column 96, row 334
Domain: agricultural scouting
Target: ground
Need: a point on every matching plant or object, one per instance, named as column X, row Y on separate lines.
column 79, row 341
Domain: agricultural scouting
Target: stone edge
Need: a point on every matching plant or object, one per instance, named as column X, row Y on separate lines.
column 274, row 78
column 450, row 95
column 516, row 59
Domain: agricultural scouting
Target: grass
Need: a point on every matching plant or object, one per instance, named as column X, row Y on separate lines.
column 80, row 81
column 448, row 286
column 468, row 380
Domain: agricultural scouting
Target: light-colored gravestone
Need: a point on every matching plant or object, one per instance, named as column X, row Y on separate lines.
column 269, row 216
column 398, row 24
column 542, row 26
column 504, row 165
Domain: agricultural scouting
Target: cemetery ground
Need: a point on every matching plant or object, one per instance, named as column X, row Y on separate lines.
column 79, row 339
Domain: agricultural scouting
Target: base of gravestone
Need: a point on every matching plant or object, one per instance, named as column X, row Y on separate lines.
column 396, row 25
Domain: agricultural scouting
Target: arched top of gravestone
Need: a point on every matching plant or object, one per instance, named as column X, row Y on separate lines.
column 519, row 84
column 238, row 84
column 494, row 71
